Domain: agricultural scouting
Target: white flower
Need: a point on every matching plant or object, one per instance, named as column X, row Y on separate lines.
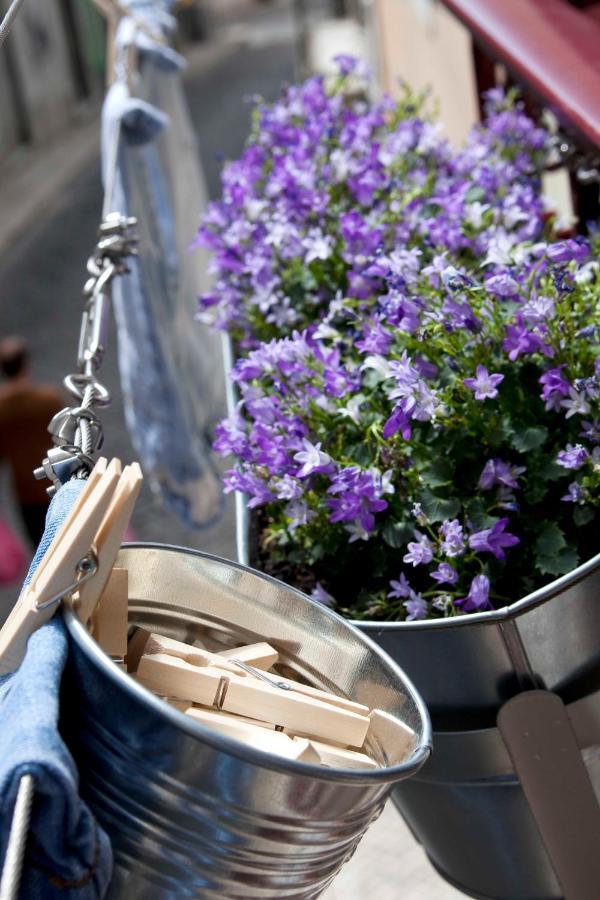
column 340, row 163
column 312, row 457
column 357, row 532
column 325, row 331
column 475, row 213
column 575, row 404
column 499, row 250
column 283, row 313
column 431, row 137
column 380, row 364
column 587, row 272
column 254, row 208
column 326, row 403
column 352, row 408
column 513, row 214
column 317, row 246
column 299, row 514
column 386, row 482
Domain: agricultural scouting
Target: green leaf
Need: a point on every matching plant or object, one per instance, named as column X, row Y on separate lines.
column 397, row 534
column 550, row 540
column 582, row 515
column 474, row 194
column 430, row 209
column 360, row 453
column 551, row 471
column 562, row 562
column 372, row 378
column 439, row 508
column 439, row 474
column 529, row 438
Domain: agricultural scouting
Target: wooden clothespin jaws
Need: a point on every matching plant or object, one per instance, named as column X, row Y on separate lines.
column 79, row 561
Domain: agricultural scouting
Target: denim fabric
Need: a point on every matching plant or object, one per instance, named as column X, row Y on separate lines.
column 170, row 365
column 68, row 855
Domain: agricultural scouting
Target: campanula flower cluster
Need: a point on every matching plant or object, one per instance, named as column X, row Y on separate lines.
column 418, row 422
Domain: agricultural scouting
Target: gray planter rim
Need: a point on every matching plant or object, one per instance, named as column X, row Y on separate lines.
column 494, row 616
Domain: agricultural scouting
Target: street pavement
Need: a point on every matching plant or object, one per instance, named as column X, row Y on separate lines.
column 41, row 277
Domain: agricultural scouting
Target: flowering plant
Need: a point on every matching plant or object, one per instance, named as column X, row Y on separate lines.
column 419, row 375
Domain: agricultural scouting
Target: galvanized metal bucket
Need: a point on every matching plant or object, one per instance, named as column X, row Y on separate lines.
column 191, row 813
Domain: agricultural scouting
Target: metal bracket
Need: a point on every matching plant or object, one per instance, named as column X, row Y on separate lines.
column 542, row 744
column 62, row 464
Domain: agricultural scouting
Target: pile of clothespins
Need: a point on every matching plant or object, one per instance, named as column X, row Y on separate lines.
column 233, row 692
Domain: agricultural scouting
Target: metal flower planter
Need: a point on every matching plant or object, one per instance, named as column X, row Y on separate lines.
column 192, row 813
column 467, row 805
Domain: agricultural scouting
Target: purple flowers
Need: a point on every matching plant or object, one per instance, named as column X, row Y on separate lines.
column 502, row 286
column 496, row 472
column 477, row 600
column 573, row 457
column 484, row 385
column 565, row 251
column 554, row 387
column 414, row 352
column 419, row 552
column 493, row 540
column 445, row 574
column 357, row 496
column 453, row 542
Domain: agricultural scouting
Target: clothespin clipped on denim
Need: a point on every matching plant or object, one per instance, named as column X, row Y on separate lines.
column 79, row 561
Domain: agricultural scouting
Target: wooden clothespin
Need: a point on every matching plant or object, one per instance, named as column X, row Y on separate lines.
column 244, row 660
column 79, row 559
column 109, row 620
column 254, row 735
column 261, row 656
column 251, row 697
column 108, row 539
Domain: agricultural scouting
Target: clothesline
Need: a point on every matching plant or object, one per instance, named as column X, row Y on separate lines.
column 8, row 20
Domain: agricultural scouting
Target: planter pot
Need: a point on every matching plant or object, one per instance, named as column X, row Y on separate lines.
column 192, row 813
column 467, row 806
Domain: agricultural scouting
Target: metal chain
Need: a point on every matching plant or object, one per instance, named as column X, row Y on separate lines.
column 76, row 430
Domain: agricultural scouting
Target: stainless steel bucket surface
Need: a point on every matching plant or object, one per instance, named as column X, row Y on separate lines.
column 194, row 814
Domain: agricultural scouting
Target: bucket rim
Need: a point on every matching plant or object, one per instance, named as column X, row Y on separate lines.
column 494, row 616
column 79, row 634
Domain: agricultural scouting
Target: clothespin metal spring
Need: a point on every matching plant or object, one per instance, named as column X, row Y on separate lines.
column 86, row 568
